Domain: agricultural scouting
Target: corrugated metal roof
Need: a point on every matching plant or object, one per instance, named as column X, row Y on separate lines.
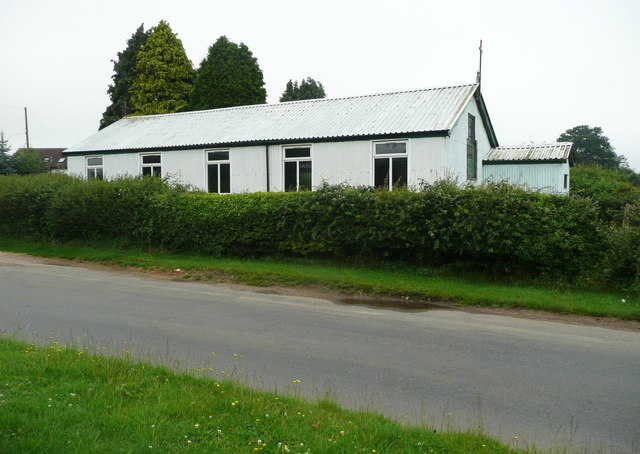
column 417, row 111
column 558, row 151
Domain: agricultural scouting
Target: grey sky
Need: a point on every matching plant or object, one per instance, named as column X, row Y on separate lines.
column 548, row 65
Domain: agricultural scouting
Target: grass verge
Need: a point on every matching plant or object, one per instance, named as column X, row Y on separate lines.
column 56, row 399
column 399, row 280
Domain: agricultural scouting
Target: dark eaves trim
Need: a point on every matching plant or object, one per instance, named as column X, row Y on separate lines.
column 411, row 135
column 486, row 121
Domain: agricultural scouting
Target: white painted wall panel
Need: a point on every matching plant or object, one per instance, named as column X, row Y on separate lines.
column 342, row 163
column 75, row 165
column 543, row 177
column 248, row 169
column 120, row 165
column 426, row 160
column 185, row 166
column 456, row 144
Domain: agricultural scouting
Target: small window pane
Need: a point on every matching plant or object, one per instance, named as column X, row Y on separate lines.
column 381, row 175
column 472, row 165
column 290, row 176
column 399, row 172
column 146, row 171
column 151, row 159
column 213, row 177
column 297, row 152
column 218, row 156
column 225, row 178
column 91, row 173
column 94, row 161
column 304, row 176
column 157, row 171
column 391, row 148
column 99, row 173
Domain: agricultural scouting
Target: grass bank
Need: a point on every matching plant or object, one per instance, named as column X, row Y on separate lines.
column 56, row 399
column 399, row 280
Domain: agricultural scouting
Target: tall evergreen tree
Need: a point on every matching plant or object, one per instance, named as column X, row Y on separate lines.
column 163, row 74
column 6, row 166
column 123, row 74
column 307, row 89
column 229, row 76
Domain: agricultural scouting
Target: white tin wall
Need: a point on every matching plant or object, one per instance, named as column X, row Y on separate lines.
column 456, row 144
column 426, row 160
column 248, row 169
column 342, row 163
column 122, row 164
column 184, row 166
column 543, row 177
column 75, row 166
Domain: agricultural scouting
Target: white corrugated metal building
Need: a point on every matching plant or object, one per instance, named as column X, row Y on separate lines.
column 403, row 138
column 541, row 167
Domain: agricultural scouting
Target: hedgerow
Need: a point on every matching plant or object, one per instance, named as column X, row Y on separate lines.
column 497, row 228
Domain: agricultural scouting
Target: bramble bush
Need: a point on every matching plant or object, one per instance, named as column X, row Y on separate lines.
column 497, row 228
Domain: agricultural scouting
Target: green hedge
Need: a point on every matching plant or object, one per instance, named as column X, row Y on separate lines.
column 498, row 228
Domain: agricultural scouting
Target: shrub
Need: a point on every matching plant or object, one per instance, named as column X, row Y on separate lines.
column 498, row 228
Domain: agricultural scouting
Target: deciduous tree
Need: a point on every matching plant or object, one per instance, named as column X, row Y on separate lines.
column 28, row 160
column 229, row 76
column 590, row 146
column 123, row 75
column 163, row 74
column 307, row 89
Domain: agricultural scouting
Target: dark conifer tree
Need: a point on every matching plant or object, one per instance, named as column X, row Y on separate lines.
column 123, row 73
column 229, row 76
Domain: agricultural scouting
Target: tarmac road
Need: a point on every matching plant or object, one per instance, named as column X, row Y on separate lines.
column 546, row 383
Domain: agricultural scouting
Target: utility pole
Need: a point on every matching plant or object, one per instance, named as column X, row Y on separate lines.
column 26, row 126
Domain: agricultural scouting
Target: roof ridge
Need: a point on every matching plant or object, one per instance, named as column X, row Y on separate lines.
column 315, row 100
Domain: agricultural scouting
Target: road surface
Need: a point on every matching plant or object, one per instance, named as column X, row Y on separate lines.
column 546, row 383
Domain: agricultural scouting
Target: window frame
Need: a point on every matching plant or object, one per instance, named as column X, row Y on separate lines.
column 389, row 157
column 297, row 160
column 472, row 148
column 152, row 165
column 218, row 163
column 94, row 167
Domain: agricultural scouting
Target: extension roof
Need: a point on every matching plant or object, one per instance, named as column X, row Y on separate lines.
column 548, row 152
column 416, row 113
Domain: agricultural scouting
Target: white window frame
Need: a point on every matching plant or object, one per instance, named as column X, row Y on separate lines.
column 150, row 165
column 216, row 162
column 94, row 167
column 297, row 160
column 390, row 157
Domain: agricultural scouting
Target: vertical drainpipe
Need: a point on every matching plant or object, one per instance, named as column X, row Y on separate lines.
column 266, row 154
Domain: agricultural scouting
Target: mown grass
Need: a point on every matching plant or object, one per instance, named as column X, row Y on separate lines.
column 396, row 280
column 56, row 399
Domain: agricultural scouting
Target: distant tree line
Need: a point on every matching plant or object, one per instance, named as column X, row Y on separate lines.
column 153, row 75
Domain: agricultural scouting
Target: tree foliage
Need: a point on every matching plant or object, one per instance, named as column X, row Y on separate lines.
column 307, row 89
column 229, row 76
column 163, row 74
column 590, row 146
column 6, row 166
column 123, row 75
column 27, row 160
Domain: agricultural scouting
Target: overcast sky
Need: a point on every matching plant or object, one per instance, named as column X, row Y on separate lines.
column 548, row 65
